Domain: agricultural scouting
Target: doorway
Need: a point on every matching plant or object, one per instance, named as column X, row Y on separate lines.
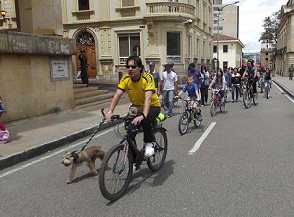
column 85, row 41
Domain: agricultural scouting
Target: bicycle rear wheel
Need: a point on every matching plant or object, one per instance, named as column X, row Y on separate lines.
column 183, row 123
column 212, row 108
column 115, row 172
column 246, row 99
column 156, row 161
column 255, row 95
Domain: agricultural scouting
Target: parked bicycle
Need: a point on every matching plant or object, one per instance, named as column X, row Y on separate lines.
column 116, row 169
column 248, row 95
column 188, row 116
column 216, row 102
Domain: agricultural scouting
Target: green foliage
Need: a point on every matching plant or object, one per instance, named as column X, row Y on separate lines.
column 270, row 25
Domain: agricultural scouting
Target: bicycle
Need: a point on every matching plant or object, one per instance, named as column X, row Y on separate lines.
column 117, row 166
column 216, row 102
column 266, row 88
column 188, row 116
column 248, row 95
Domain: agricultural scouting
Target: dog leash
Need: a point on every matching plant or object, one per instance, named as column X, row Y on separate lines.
column 96, row 130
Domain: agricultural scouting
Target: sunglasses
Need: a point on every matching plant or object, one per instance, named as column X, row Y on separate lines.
column 132, row 66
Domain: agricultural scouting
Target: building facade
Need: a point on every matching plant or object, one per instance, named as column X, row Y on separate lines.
column 284, row 56
column 267, row 54
column 230, row 51
column 226, row 18
column 178, row 32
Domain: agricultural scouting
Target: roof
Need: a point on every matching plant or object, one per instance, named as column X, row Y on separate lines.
column 223, row 37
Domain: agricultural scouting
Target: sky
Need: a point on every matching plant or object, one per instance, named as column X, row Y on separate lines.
column 252, row 14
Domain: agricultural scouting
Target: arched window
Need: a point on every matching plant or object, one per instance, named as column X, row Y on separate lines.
column 85, row 38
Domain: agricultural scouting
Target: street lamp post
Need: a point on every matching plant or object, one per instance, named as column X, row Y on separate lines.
column 219, row 10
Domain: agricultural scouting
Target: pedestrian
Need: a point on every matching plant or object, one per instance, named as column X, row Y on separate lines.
column 236, row 82
column 155, row 75
column 169, row 86
column 291, row 71
column 4, row 133
column 84, row 65
column 204, row 85
column 195, row 73
column 141, row 91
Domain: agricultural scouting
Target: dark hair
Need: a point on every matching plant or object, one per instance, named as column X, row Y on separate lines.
column 220, row 71
column 137, row 60
column 192, row 65
column 203, row 67
column 251, row 61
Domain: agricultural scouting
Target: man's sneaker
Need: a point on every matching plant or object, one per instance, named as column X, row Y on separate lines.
column 135, row 168
column 168, row 115
column 149, row 150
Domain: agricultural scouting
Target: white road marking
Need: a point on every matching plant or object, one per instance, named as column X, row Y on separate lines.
column 201, row 139
column 50, row 155
column 285, row 94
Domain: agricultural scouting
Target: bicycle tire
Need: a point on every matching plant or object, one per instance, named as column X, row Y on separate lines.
column 156, row 161
column 212, row 108
column 115, row 175
column 267, row 90
column 255, row 101
column 246, row 99
column 197, row 123
column 183, row 121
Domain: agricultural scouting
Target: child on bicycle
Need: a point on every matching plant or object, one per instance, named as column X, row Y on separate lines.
column 192, row 90
column 220, row 83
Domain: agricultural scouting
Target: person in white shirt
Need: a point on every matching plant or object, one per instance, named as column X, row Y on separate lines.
column 169, row 85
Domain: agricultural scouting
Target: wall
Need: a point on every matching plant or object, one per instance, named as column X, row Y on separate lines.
column 25, row 84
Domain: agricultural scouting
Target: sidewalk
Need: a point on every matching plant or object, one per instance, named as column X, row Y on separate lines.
column 284, row 83
column 36, row 136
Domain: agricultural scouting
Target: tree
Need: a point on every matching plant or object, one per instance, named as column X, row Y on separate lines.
column 270, row 25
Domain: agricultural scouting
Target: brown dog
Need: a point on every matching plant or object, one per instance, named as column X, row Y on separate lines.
column 76, row 158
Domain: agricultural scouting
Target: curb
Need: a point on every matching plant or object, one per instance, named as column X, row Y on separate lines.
column 43, row 148
column 284, row 89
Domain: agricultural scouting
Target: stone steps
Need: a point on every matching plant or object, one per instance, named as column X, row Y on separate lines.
column 90, row 96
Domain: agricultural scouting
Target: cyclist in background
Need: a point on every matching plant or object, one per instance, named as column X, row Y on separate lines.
column 251, row 73
column 267, row 79
column 220, row 83
column 193, row 93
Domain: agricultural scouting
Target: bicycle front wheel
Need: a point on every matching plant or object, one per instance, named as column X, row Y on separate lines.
column 197, row 123
column 246, row 99
column 115, row 172
column 212, row 108
column 156, row 161
column 183, row 123
column 255, row 101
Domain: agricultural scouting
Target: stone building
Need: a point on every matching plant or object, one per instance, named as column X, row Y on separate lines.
column 178, row 32
column 285, row 36
column 267, row 54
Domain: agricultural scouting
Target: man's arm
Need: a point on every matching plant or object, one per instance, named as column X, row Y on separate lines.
column 176, row 88
column 113, row 103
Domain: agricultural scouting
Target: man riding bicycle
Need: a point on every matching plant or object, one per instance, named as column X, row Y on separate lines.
column 141, row 91
column 251, row 73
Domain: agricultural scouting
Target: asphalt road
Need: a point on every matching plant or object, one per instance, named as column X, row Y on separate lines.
column 243, row 167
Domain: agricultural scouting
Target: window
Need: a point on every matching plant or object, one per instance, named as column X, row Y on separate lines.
column 83, row 5
column 225, row 48
column 173, row 47
column 85, row 38
column 127, row 3
column 129, row 44
column 214, row 49
column 225, row 65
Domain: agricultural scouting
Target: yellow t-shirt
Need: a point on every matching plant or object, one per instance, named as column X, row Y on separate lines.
column 136, row 90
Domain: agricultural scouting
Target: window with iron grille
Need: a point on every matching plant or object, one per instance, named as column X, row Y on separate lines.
column 129, row 44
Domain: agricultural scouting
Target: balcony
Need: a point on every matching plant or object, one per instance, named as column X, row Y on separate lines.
column 170, row 10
